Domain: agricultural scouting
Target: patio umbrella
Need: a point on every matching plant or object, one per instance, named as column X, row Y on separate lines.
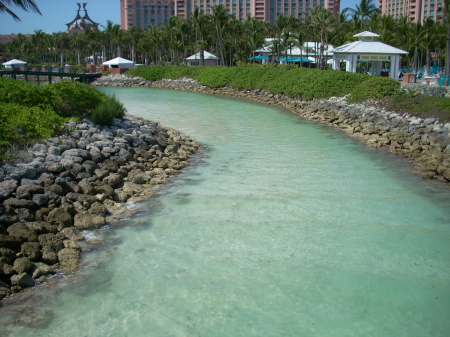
column 259, row 57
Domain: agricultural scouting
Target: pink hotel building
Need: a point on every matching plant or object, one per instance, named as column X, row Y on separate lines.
column 414, row 10
column 141, row 13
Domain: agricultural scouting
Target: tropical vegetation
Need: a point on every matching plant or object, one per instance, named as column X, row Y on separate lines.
column 30, row 113
column 232, row 40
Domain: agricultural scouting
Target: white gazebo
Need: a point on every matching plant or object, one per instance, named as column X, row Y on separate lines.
column 209, row 59
column 367, row 48
column 119, row 62
column 14, row 62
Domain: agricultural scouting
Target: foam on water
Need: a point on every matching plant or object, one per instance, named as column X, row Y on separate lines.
column 281, row 227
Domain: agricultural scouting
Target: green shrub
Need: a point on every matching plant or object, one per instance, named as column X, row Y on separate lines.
column 106, row 73
column 106, row 111
column 373, row 88
column 74, row 99
column 21, row 124
column 24, row 93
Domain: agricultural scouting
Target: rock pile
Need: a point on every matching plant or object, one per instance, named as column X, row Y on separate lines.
column 76, row 182
column 121, row 81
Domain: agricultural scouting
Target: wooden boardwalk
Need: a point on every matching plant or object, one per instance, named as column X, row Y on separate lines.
column 35, row 75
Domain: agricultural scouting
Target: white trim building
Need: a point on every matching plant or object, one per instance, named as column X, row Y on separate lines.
column 368, row 49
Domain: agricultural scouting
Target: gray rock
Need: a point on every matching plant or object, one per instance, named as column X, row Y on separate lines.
column 11, row 242
column 19, row 203
column 7, row 187
column 26, row 191
column 51, row 242
column 54, row 150
column 39, row 269
column 84, row 221
column 31, row 250
column 40, row 199
column 22, row 280
column 98, row 208
column 23, row 232
column 69, row 259
column 60, row 217
column 22, row 265
column 38, row 182
column 113, row 179
column 49, row 256
column 72, row 233
column 7, row 255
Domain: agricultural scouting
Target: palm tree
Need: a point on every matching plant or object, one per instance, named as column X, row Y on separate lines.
column 365, row 9
column 26, row 5
column 444, row 11
column 134, row 34
column 220, row 17
column 321, row 21
column 200, row 22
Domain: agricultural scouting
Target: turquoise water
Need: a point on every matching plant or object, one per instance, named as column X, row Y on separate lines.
column 280, row 227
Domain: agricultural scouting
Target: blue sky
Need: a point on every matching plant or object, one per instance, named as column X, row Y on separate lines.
column 56, row 13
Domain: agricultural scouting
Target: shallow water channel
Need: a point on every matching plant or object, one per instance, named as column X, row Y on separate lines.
column 280, row 227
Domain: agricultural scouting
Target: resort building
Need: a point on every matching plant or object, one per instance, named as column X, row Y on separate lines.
column 140, row 13
column 414, row 10
column 80, row 23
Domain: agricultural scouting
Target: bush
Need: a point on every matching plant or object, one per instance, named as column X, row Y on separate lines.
column 374, row 88
column 74, row 99
column 106, row 111
column 20, row 124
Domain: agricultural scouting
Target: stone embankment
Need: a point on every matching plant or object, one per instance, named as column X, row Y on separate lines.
column 75, row 182
column 424, row 142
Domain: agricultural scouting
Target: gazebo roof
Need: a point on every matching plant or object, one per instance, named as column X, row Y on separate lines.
column 368, row 46
column 207, row 56
column 80, row 23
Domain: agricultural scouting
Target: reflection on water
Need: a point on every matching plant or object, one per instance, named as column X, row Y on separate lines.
column 281, row 228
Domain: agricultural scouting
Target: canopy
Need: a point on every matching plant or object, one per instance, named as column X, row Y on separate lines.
column 259, row 57
column 14, row 62
column 291, row 59
column 119, row 62
column 206, row 56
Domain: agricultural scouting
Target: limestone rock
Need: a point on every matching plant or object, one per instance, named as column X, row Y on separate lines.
column 22, row 280
column 69, row 259
column 88, row 221
column 22, row 265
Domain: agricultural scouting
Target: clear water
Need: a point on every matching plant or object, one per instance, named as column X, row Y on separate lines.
column 281, row 227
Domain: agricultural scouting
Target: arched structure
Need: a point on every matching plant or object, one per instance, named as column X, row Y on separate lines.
column 80, row 23
column 366, row 49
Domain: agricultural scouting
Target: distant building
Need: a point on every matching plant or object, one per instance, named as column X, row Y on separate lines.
column 80, row 23
column 141, row 13
column 8, row 38
column 414, row 10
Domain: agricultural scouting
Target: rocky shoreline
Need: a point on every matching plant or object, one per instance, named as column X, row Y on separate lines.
column 74, row 182
column 423, row 142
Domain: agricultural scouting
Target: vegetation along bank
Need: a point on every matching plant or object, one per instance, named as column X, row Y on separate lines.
column 413, row 122
column 85, row 158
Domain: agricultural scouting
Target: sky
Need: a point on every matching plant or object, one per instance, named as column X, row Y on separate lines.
column 56, row 13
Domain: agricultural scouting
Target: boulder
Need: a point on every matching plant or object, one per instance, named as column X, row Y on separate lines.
column 31, row 250
column 49, row 256
column 69, row 259
column 70, row 233
column 85, row 221
column 7, row 255
column 19, row 203
column 22, row 280
column 60, row 217
column 21, row 231
column 7, row 187
column 39, row 269
column 11, row 242
column 98, row 208
column 6, row 269
column 50, row 241
column 113, row 179
column 22, row 265
column 27, row 191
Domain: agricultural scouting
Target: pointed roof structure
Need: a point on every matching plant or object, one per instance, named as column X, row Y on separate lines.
column 80, row 23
